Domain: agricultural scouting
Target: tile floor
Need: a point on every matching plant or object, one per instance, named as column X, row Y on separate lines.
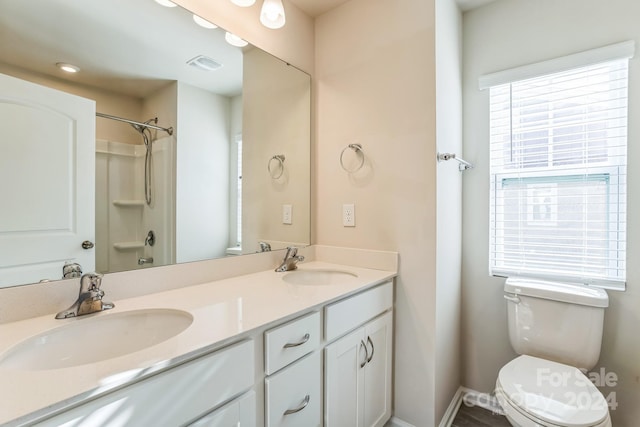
column 475, row 416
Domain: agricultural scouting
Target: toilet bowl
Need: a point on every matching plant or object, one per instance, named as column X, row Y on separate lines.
column 537, row 392
column 557, row 330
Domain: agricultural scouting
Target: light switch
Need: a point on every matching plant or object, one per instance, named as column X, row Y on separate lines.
column 287, row 214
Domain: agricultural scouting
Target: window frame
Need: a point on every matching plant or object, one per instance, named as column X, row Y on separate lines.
column 497, row 268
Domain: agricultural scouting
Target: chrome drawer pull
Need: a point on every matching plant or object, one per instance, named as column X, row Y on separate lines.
column 366, row 353
column 296, row 344
column 372, row 349
column 305, row 402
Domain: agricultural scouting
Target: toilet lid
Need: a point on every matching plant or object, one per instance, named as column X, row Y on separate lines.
column 552, row 392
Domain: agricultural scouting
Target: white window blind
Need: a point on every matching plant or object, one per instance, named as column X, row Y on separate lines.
column 558, row 171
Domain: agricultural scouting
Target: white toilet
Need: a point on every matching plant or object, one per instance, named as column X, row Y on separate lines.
column 557, row 330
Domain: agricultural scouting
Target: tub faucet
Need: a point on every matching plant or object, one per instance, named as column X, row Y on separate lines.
column 290, row 261
column 89, row 299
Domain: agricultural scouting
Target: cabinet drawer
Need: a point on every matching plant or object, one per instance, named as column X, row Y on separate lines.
column 293, row 396
column 346, row 315
column 289, row 342
column 172, row 397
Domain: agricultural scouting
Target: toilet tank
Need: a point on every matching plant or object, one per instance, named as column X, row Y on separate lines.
column 556, row 321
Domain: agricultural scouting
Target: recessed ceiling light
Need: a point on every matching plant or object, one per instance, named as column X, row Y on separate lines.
column 243, row 3
column 234, row 40
column 203, row 22
column 69, row 68
column 166, row 3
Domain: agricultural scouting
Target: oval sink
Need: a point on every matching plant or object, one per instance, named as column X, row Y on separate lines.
column 318, row 277
column 90, row 340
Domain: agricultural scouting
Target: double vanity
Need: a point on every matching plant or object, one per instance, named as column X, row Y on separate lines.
column 306, row 347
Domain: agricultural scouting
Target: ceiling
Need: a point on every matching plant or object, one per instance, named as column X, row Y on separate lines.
column 315, row 8
column 132, row 47
column 133, row 53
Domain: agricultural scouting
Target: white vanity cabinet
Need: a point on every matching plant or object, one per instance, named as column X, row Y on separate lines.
column 358, row 365
column 174, row 397
column 294, row 395
column 240, row 412
column 331, row 366
column 293, row 387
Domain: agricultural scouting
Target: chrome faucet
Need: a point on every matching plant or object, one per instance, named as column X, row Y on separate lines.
column 291, row 259
column 142, row 261
column 264, row 247
column 89, row 299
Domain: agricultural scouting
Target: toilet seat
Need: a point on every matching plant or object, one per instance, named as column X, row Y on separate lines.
column 550, row 394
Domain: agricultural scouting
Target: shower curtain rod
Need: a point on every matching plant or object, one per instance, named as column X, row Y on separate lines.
column 133, row 122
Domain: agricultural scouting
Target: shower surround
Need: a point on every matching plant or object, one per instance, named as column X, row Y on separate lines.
column 123, row 219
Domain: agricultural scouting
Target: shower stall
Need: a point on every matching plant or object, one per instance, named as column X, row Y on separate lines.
column 134, row 194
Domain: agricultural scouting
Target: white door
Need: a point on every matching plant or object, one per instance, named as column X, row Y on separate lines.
column 345, row 360
column 47, row 181
column 377, row 372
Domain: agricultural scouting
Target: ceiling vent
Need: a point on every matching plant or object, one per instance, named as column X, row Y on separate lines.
column 204, row 63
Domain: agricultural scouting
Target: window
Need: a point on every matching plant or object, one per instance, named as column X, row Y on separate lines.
column 558, row 154
column 239, row 192
column 235, row 193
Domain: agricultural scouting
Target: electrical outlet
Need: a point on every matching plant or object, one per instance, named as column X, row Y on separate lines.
column 349, row 215
column 287, row 214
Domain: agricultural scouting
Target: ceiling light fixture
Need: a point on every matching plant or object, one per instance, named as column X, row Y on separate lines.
column 166, row 3
column 203, row 22
column 234, row 40
column 69, row 68
column 243, row 3
column 272, row 14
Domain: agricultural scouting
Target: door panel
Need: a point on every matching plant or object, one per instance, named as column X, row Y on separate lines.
column 344, row 381
column 45, row 220
column 377, row 373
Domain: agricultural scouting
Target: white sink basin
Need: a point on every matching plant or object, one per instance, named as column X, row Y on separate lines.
column 89, row 340
column 318, row 277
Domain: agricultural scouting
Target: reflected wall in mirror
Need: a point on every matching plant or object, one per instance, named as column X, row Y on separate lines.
column 230, row 177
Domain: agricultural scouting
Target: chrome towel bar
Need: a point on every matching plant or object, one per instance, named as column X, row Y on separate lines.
column 463, row 166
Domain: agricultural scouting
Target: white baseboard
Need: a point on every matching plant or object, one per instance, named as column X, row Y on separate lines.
column 463, row 395
column 452, row 409
column 397, row 422
column 484, row 400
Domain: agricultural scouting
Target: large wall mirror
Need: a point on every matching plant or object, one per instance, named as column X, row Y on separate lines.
column 171, row 143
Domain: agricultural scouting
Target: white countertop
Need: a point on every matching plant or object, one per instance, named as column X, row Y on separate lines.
column 223, row 311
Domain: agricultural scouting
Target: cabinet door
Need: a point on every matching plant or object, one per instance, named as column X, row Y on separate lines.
column 241, row 412
column 170, row 398
column 344, row 382
column 377, row 372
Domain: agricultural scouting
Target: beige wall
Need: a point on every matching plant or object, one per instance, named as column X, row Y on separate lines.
column 375, row 85
column 449, row 203
column 506, row 34
column 276, row 121
column 106, row 102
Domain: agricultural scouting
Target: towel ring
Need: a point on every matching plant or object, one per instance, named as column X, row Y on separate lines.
column 358, row 149
column 280, row 159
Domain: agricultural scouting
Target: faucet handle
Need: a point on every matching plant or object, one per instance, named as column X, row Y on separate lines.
column 292, row 251
column 90, row 281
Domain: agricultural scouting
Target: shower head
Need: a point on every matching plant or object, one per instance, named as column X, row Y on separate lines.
column 141, row 128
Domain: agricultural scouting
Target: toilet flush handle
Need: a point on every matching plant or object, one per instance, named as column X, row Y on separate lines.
column 513, row 299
